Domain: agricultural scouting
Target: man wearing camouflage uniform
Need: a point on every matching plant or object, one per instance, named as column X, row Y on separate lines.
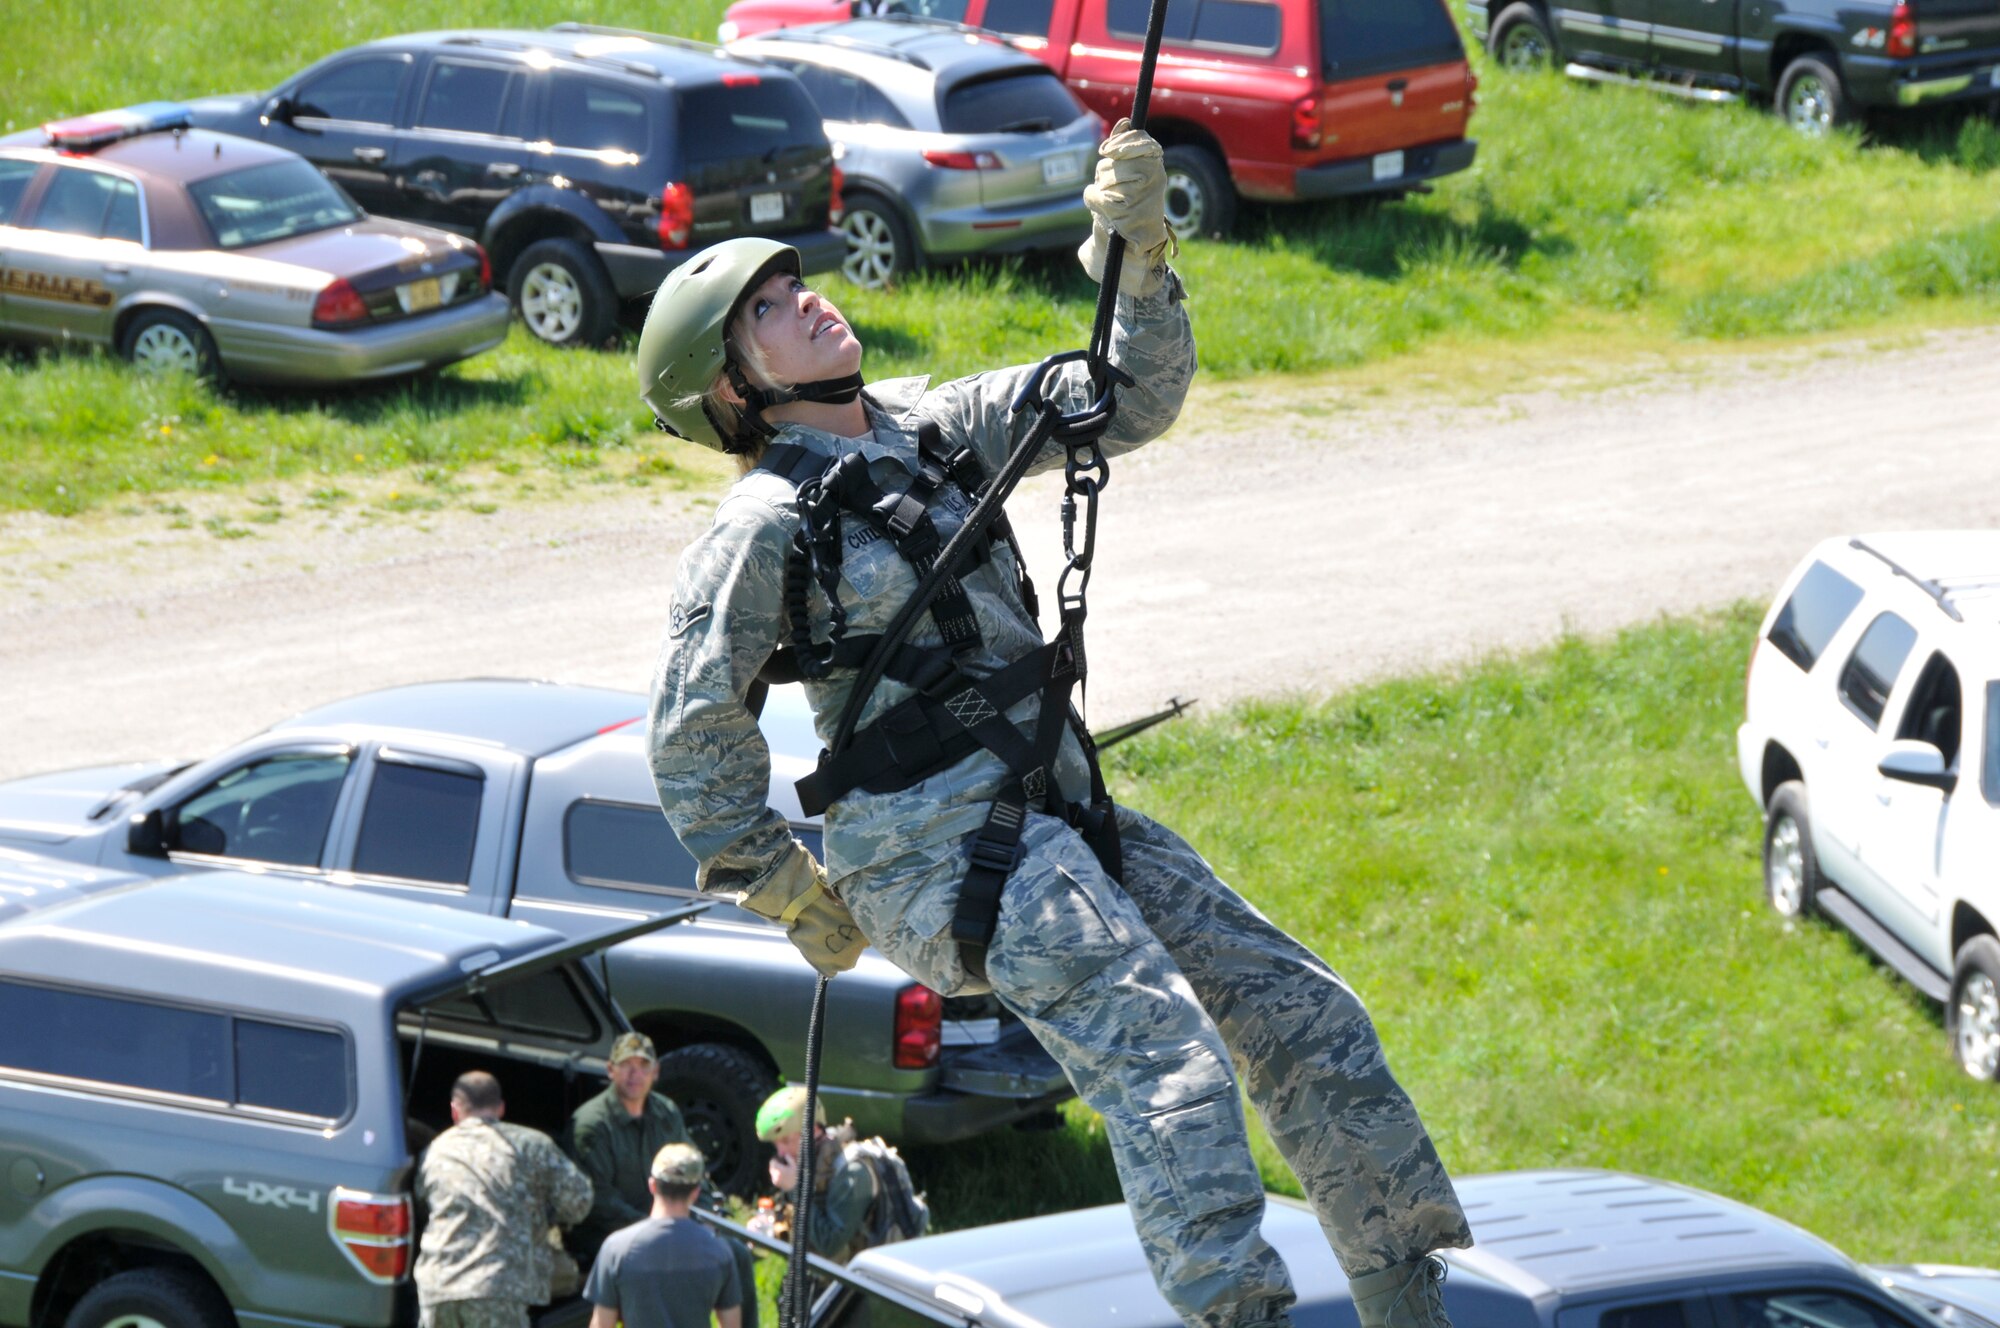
column 492, row 1191
column 1143, row 987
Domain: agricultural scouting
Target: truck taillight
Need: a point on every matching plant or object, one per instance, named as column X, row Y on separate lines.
column 339, row 305
column 919, row 1027
column 1305, row 122
column 373, row 1230
column 963, row 161
column 676, row 216
column 1902, row 31
column 835, row 209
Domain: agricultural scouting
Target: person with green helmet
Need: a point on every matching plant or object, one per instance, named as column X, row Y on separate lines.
column 843, row 1188
column 967, row 833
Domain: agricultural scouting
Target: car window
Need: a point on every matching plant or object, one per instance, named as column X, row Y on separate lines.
column 288, row 1068
column 1813, row 613
column 363, row 90
column 835, row 94
column 275, row 201
column 121, row 219
column 1872, row 668
column 1666, row 1314
column 79, row 202
column 1030, row 102
column 750, row 117
column 276, row 809
column 625, row 846
column 951, row 11
column 114, row 1040
column 14, row 177
column 1022, row 18
column 469, row 99
column 1360, row 37
column 1127, row 18
column 596, row 116
column 1809, row 1309
column 1936, row 710
column 1989, row 769
column 546, row 1003
column 420, row 823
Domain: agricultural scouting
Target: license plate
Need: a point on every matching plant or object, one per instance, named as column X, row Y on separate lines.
column 767, row 207
column 1388, row 165
column 1061, row 168
column 417, row 296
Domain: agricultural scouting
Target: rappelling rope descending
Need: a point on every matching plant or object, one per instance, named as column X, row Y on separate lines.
column 1086, row 473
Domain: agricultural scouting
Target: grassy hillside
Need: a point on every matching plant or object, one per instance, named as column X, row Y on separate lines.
column 1634, row 219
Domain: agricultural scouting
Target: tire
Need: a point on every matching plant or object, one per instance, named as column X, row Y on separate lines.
column 168, row 341
column 563, row 294
column 152, row 1298
column 880, row 252
column 1520, row 40
column 1972, row 1015
column 1200, row 199
column 1811, row 98
column 1791, row 871
column 718, row 1090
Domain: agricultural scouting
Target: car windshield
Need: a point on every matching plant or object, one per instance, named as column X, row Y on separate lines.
column 1030, row 102
column 1359, row 37
column 275, row 201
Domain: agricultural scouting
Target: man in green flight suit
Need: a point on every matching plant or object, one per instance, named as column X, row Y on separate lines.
column 614, row 1137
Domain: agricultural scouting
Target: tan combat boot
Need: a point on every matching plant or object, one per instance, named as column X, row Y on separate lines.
column 1404, row 1295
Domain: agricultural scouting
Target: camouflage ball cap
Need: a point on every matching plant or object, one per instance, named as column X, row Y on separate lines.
column 679, row 1164
column 629, row 1045
column 681, row 349
column 783, row 1110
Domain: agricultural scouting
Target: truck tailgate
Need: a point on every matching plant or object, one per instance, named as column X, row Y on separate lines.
column 1013, row 1066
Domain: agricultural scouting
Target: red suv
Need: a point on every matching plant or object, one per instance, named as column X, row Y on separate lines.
column 1277, row 100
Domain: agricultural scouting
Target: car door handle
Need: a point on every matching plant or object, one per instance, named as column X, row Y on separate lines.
column 506, row 170
column 373, row 156
column 117, row 270
column 1398, row 84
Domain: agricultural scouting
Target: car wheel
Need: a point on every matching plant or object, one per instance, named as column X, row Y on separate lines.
column 1791, row 872
column 879, row 249
column 152, row 1298
column 563, row 294
column 1811, row 97
column 1200, row 199
column 718, row 1090
column 167, row 341
column 1972, row 1017
column 1520, row 39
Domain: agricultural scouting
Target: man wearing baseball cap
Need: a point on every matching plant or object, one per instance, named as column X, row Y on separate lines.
column 615, row 1136
column 667, row 1270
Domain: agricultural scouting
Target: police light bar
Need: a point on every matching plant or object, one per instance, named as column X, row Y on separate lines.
column 86, row 132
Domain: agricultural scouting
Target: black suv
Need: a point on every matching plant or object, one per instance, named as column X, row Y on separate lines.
column 588, row 161
column 1822, row 61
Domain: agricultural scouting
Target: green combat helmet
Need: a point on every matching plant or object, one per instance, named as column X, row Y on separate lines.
column 784, row 1111
column 684, row 344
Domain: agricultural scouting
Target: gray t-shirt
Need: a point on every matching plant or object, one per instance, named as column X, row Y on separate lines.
column 664, row 1272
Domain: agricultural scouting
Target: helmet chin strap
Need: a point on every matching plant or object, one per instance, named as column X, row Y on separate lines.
column 757, row 400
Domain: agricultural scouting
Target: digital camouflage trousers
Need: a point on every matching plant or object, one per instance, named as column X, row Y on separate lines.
column 1145, row 995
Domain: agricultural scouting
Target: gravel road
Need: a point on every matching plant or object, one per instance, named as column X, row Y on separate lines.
column 1303, row 549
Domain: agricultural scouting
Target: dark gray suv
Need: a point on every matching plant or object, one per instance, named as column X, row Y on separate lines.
column 589, row 162
column 211, row 1098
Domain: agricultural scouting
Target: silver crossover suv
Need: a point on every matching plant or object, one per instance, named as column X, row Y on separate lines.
column 951, row 142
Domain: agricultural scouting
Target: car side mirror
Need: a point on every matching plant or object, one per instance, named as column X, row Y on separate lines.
column 1916, row 762
column 279, row 109
column 146, row 834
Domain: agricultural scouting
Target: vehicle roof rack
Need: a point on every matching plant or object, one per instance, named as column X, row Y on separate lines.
column 1937, row 593
column 608, row 30
column 949, row 25
column 497, row 43
column 843, row 42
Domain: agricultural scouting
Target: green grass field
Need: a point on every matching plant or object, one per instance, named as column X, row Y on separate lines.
column 1543, row 877
column 1614, row 215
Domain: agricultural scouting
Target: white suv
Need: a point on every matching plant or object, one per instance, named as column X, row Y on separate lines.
column 1872, row 742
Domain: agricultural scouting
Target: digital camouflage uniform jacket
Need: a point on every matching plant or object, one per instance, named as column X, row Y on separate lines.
column 492, row 1191
column 710, row 761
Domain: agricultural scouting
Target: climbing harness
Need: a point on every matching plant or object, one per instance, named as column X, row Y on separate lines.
column 951, row 713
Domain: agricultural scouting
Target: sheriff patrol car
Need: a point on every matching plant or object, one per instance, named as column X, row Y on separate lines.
column 198, row 251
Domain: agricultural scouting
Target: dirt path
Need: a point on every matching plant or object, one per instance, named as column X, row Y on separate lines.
column 1301, row 550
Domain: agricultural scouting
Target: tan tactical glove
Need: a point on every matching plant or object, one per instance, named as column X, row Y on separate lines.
column 1129, row 196
column 818, row 923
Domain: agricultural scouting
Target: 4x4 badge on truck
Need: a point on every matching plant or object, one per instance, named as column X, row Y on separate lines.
column 271, row 1196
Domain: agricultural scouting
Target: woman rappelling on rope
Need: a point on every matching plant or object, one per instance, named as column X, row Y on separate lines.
column 967, row 834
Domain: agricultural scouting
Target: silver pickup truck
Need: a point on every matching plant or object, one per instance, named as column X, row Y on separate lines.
column 534, row 801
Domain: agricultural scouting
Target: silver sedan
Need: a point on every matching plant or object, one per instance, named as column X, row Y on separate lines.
column 185, row 249
column 950, row 141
